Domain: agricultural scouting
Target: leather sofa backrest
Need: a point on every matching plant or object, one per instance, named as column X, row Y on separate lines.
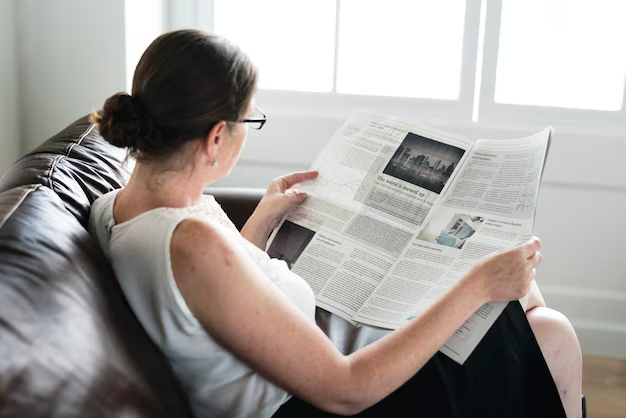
column 69, row 344
column 77, row 164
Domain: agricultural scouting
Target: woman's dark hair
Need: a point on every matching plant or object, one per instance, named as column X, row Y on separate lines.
column 185, row 82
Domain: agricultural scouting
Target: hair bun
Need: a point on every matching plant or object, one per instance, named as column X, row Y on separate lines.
column 124, row 123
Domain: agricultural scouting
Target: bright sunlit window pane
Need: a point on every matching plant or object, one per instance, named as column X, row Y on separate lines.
column 562, row 53
column 291, row 42
column 410, row 48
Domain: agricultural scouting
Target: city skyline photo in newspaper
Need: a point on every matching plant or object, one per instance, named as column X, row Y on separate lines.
column 424, row 162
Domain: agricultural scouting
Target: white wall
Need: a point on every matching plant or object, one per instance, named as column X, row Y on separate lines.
column 71, row 55
column 9, row 103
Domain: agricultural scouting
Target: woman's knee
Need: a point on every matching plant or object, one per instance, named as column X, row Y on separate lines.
column 556, row 337
column 552, row 323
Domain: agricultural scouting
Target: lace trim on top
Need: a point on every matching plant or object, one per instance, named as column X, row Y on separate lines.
column 210, row 211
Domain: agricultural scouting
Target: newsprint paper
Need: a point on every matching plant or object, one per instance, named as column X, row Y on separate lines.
column 400, row 212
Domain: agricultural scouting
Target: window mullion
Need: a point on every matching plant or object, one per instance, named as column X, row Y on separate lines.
column 490, row 54
column 624, row 96
column 480, row 52
column 470, row 50
column 336, row 61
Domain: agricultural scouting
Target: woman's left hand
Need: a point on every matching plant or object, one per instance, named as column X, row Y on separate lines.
column 279, row 200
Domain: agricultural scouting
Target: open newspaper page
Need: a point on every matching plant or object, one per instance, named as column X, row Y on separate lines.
column 379, row 178
column 489, row 206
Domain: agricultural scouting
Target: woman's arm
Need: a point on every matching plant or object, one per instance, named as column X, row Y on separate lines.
column 279, row 200
column 533, row 298
column 245, row 312
column 257, row 230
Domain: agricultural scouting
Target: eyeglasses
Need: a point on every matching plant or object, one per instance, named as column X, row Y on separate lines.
column 257, row 120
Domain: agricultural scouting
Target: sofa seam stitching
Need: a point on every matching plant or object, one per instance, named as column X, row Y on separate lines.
column 84, row 135
column 52, row 167
column 67, row 153
column 23, row 197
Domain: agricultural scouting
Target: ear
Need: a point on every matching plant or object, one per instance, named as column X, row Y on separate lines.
column 215, row 140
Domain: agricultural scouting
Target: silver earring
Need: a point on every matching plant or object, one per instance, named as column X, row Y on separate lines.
column 214, row 164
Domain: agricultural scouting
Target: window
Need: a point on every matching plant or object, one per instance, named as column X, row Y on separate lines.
column 292, row 42
column 345, row 46
column 533, row 60
column 562, row 53
column 387, row 49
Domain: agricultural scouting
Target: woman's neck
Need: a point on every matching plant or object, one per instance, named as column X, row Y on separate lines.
column 176, row 189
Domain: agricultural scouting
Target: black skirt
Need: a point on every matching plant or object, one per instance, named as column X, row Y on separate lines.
column 506, row 376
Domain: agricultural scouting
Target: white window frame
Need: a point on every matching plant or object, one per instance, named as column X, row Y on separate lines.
column 199, row 13
column 480, row 107
column 492, row 112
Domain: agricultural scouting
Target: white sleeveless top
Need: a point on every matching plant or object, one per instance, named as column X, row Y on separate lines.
column 216, row 383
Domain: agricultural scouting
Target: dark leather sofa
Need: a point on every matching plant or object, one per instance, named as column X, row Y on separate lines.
column 69, row 344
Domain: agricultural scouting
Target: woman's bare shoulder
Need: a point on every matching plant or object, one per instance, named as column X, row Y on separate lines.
column 196, row 241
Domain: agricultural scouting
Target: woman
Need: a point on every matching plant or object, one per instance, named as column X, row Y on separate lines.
column 237, row 326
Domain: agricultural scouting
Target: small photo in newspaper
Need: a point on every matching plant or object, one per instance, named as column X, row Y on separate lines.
column 290, row 242
column 455, row 233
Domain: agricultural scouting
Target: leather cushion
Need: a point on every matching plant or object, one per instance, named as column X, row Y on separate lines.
column 237, row 202
column 69, row 343
column 80, row 166
column 77, row 164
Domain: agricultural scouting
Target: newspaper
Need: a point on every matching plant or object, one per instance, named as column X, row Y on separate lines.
column 401, row 211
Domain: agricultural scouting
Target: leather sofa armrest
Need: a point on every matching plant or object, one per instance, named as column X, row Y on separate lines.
column 237, row 202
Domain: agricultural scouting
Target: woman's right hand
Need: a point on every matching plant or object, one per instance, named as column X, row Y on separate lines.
column 506, row 275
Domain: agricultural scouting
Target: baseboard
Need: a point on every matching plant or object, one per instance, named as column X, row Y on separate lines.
column 601, row 339
column 598, row 316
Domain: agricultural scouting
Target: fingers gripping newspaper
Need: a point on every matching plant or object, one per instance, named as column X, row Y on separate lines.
column 400, row 212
